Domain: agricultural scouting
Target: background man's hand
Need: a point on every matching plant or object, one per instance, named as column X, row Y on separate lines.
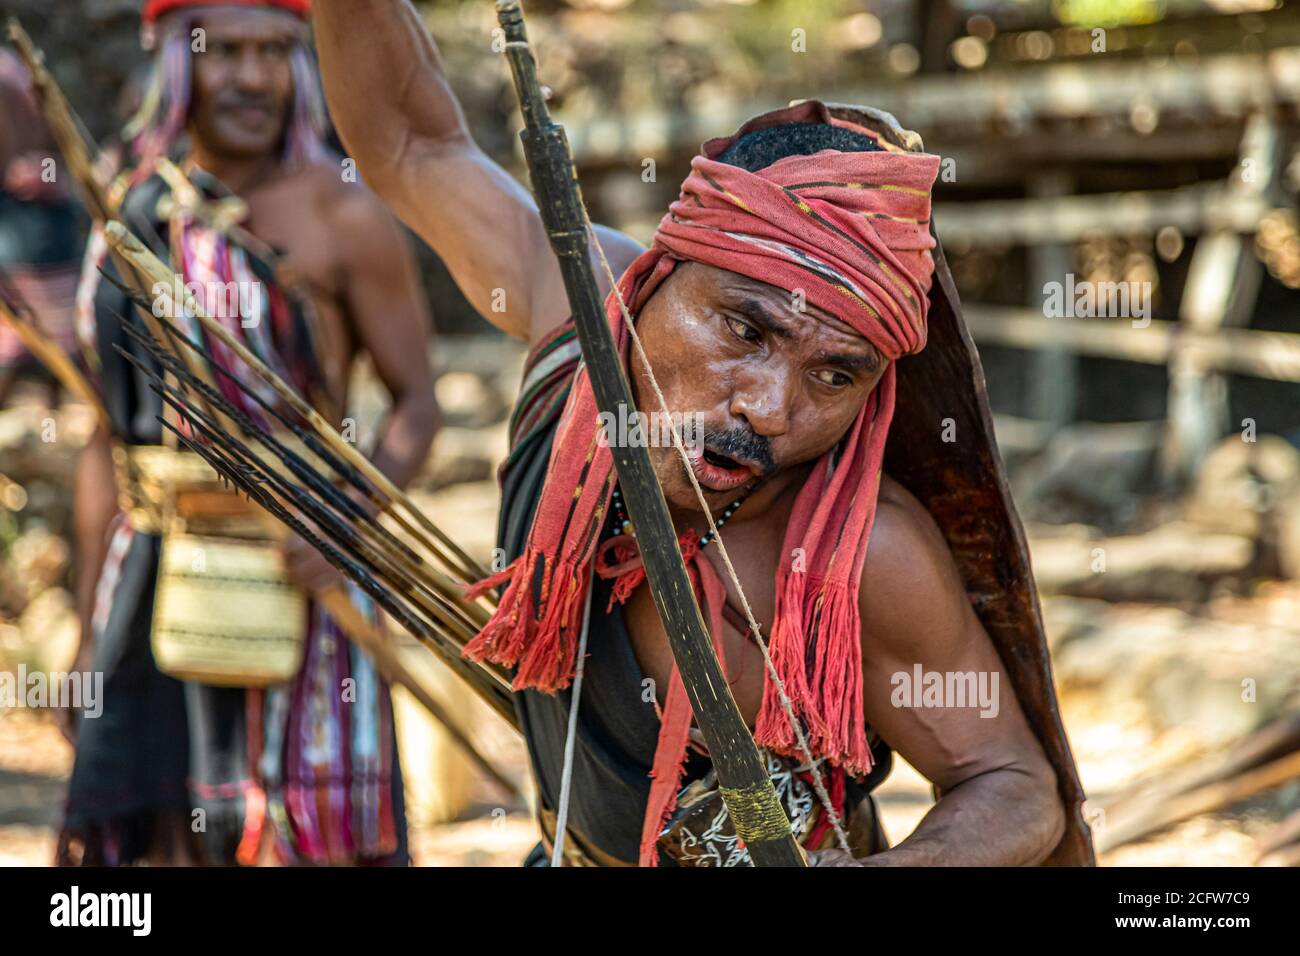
column 65, row 717
column 307, row 567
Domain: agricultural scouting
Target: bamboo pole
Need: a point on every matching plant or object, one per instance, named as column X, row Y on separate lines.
column 335, row 600
column 443, row 588
column 54, row 358
column 75, row 145
column 1268, row 355
column 335, row 526
column 148, row 266
column 496, row 695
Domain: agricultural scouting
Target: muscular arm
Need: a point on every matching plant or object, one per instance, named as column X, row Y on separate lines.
column 999, row 804
column 385, row 307
column 94, row 503
column 395, row 110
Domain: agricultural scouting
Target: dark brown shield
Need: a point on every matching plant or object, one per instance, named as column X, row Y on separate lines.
column 963, row 485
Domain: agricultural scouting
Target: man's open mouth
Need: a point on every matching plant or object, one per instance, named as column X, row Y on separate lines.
column 719, row 472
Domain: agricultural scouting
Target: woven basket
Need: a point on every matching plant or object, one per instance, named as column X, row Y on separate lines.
column 225, row 613
column 224, row 610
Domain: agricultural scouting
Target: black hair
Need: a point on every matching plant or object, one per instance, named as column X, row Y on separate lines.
column 763, row 147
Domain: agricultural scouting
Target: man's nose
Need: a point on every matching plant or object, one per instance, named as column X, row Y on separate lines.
column 251, row 71
column 763, row 400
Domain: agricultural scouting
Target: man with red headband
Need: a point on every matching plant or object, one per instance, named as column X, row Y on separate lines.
column 181, row 771
column 778, row 303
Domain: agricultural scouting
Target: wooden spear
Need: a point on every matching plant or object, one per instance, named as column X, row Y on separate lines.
column 750, row 797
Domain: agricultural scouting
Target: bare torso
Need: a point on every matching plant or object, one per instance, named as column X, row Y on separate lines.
column 293, row 212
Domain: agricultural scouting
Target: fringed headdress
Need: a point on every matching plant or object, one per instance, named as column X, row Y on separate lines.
column 164, row 109
column 851, row 229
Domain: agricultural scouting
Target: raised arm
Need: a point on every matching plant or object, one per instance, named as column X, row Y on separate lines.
column 395, row 110
column 94, row 504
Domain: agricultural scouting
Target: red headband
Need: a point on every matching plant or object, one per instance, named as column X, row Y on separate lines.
column 153, row 9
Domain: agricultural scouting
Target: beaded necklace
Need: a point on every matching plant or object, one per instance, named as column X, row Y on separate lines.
column 623, row 524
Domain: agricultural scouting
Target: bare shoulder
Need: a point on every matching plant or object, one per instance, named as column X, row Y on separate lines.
column 354, row 224
column 904, row 532
column 910, row 584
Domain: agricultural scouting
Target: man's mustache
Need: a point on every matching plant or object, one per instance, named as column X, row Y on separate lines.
column 237, row 101
column 742, row 444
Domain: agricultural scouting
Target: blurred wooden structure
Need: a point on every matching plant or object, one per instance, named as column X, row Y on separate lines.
column 1085, row 147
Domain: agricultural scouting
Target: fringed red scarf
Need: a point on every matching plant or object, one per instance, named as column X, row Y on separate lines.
column 852, row 231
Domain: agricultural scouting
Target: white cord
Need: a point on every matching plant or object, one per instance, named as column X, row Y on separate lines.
column 566, row 778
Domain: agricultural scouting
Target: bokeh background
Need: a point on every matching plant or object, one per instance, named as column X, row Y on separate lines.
column 1155, row 462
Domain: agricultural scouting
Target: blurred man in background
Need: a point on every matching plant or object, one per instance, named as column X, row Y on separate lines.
column 41, row 229
column 234, row 101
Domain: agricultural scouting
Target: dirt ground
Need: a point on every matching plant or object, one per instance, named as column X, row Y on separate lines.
column 35, row 762
column 457, row 818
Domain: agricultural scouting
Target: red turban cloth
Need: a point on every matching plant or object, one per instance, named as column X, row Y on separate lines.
column 851, row 229
column 153, row 9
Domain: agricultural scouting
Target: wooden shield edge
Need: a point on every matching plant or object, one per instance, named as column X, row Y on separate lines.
column 964, row 487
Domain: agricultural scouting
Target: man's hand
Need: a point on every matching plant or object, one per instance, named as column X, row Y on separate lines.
column 307, row 567
column 65, row 717
column 840, row 858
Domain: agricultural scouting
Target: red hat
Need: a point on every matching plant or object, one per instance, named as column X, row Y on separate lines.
column 153, row 9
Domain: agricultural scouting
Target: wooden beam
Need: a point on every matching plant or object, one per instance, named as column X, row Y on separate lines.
column 1268, row 355
column 1055, row 376
column 1222, row 285
column 1190, row 209
column 1227, row 86
column 1205, row 799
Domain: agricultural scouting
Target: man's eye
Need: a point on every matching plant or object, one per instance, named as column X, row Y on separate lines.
column 832, row 378
column 742, row 329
